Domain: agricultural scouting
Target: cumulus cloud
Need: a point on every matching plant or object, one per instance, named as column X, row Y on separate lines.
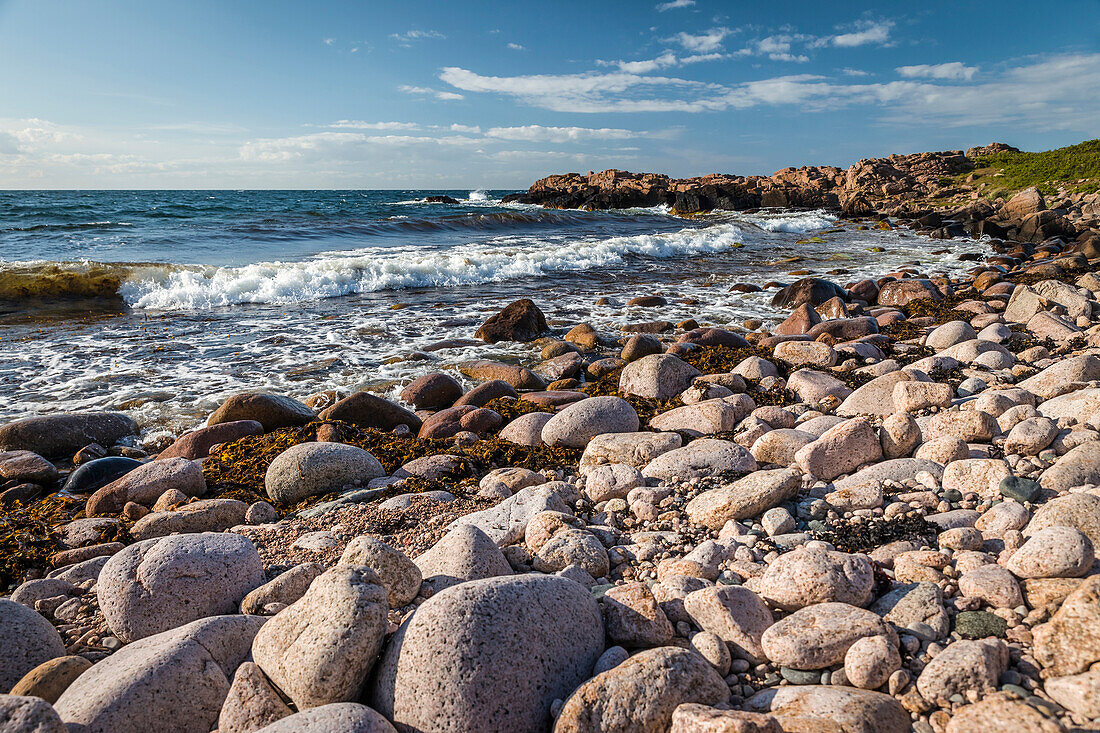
column 951, row 70
column 866, row 32
column 515, row 46
column 704, row 42
column 662, row 7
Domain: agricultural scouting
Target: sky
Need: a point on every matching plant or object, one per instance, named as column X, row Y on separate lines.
column 139, row 94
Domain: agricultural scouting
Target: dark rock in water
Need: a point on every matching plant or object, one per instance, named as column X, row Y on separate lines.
column 19, row 494
column 812, row 290
column 486, row 392
column 63, row 435
column 519, row 321
column 1019, row 488
column 980, row 624
column 98, row 473
column 371, row 411
column 647, row 301
column 433, row 391
column 713, row 337
column 744, row 288
column 271, row 411
column 440, row 200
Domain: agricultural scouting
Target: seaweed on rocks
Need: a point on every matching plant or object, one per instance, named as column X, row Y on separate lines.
column 28, row 534
column 242, row 464
column 866, row 535
column 511, row 408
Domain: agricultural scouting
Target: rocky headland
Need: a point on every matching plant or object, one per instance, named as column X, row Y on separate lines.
column 879, row 515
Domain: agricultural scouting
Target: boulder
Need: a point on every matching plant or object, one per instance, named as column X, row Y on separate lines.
column 812, row 575
column 820, row 635
column 514, row 376
column 27, row 639
column 283, row 589
column 400, row 576
column 180, row 676
column 526, row 429
column 320, row 649
column 21, row 714
column 19, row 466
column 702, row 457
column 812, row 386
column 519, row 321
column 1000, row 713
column 633, row 618
column 49, row 679
column 840, row 450
column 445, row 668
column 506, row 522
column 1079, row 466
column 963, row 667
column 1052, row 381
column 1070, row 642
column 251, row 702
column 658, row 377
column 704, row 418
column 157, row 585
column 271, row 411
column 903, row 292
column 812, row 290
column 1078, row 692
column 642, row 693
column 337, row 717
column 581, row 421
column 747, row 497
column 831, row 709
column 632, row 449
column 146, row 483
column 309, row 469
column 465, row 553
column 366, row 410
column 1053, row 552
column 432, row 391
column 1079, row 511
column 197, row 443
column 61, row 435
column 735, row 614
column 876, row 397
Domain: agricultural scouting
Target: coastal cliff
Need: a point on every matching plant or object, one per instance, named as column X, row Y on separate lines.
column 951, row 193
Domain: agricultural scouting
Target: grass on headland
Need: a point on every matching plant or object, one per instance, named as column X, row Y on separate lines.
column 1006, row 173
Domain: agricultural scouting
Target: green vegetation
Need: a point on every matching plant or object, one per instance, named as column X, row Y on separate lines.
column 1009, row 172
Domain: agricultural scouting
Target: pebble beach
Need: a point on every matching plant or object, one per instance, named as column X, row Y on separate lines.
column 872, row 507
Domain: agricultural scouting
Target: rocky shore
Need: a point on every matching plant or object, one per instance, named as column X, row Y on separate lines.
column 877, row 516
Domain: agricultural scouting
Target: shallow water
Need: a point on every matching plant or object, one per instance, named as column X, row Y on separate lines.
column 202, row 294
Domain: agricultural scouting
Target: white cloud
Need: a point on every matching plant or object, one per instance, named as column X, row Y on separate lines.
column 320, row 144
column 776, row 48
column 704, row 42
column 408, row 37
column 469, row 129
column 428, row 91
column 539, row 133
column 662, row 7
column 330, row 41
column 616, row 91
column 867, row 32
column 515, row 46
column 664, row 61
column 361, row 125
column 951, row 70
column 855, row 72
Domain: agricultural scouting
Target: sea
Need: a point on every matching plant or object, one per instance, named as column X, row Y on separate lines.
column 163, row 303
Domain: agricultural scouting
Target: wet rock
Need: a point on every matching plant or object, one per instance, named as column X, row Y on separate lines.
column 197, row 443
column 271, row 411
column 903, row 292
column 432, row 391
column 814, row 291
column 515, row 376
column 519, row 321
column 486, row 392
column 95, row 474
column 21, row 466
column 63, row 434
column 366, row 410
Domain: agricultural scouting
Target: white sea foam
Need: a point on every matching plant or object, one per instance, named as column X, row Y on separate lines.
column 479, row 195
column 379, row 268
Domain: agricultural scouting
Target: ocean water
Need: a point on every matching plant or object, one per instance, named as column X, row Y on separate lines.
column 162, row 303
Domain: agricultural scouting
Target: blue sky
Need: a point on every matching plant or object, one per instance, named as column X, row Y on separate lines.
column 418, row 94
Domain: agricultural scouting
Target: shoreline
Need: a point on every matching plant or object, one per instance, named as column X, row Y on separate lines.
column 720, row 533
